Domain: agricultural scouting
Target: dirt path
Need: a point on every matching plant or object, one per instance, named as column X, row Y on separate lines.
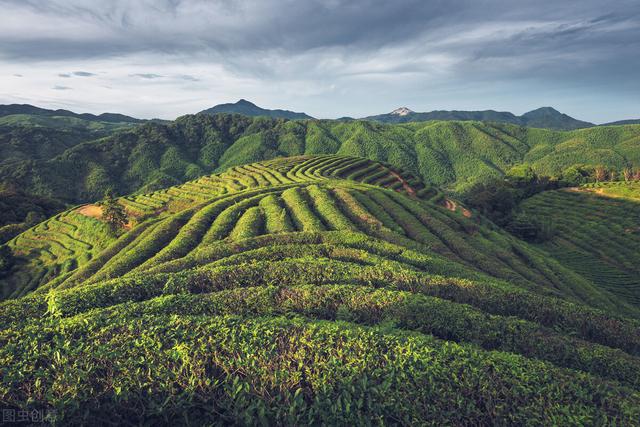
column 448, row 203
column 95, row 211
column 410, row 191
column 599, row 192
column 453, row 207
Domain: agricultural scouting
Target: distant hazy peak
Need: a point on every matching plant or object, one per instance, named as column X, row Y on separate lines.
column 250, row 109
column 402, row 111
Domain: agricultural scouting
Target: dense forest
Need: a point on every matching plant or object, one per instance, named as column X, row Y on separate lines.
column 74, row 165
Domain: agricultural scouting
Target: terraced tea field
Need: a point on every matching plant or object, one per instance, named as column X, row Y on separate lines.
column 312, row 290
column 43, row 254
column 597, row 233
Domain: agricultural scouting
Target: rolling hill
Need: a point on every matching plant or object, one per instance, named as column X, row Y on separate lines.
column 308, row 289
column 151, row 156
column 247, row 108
column 623, row 122
column 30, row 110
column 545, row 117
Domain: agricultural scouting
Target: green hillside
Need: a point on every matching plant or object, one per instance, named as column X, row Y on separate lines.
column 307, row 290
column 596, row 233
column 152, row 156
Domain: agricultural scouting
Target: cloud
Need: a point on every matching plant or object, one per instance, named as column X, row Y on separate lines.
column 188, row 78
column 83, row 74
column 76, row 73
column 18, row 75
column 146, row 75
column 336, row 57
column 58, row 87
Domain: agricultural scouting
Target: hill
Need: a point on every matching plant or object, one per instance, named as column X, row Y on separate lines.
column 623, row 122
column 596, row 233
column 545, row 117
column 306, row 290
column 26, row 109
column 68, row 165
column 249, row 109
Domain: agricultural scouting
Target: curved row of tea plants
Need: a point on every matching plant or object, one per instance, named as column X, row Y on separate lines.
column 596, row 233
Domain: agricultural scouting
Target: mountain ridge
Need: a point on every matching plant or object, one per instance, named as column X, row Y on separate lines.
column 13, row 109
column 455, row 155
column 543, row 117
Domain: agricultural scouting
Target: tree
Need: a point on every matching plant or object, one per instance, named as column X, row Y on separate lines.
column 6, row 259
column 33, row 218
column 575, row 175
column 112, row 212
column 600, row 173
column 628, row 174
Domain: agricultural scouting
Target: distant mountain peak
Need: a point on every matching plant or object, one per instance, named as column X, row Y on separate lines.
column 248, row 108
column 402, row 111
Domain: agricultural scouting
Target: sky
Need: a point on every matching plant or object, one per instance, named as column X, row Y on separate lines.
column 328, row 58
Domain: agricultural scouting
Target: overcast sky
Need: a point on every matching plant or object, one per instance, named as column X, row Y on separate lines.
column 329, row 58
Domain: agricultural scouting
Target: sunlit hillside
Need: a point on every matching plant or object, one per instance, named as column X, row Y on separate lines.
column 309, row 289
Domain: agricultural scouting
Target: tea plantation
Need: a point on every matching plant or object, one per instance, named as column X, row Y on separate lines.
column 596, row 232
column 310, row 290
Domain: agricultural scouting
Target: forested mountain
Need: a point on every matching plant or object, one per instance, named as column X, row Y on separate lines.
column 455, row 155
column 247, row 108
column 12, row 109
column 545, row 117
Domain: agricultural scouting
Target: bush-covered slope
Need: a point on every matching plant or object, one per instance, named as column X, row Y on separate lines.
column 306, row 291
column 596, row 232
column 454, row 155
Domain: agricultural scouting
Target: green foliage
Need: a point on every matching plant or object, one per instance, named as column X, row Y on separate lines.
column 595, row 235
column 309, row 290
column 6, row 260
column 16, row 208
column 113, row 213
column 76, row 165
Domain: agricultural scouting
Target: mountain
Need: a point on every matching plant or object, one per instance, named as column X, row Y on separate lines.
column 545, row 117
column 67, row 165
column 402, row 111
column 308, row 290
column 26, row 109
column 249, row 109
